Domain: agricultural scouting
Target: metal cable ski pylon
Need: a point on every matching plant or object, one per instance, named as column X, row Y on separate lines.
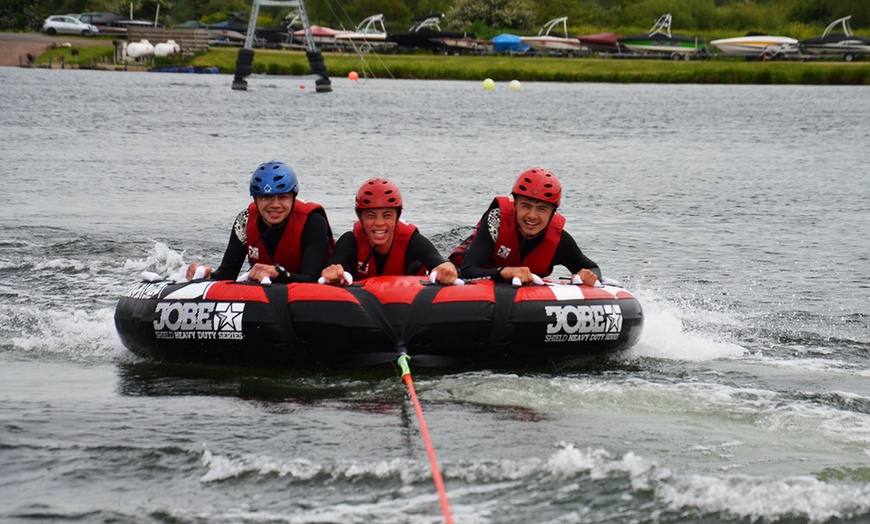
column 245, row 61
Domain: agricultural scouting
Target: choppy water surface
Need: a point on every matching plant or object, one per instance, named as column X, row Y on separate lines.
column 737, row 214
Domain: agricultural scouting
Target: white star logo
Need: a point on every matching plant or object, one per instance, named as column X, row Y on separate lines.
column 228, row 316
column 614, row 319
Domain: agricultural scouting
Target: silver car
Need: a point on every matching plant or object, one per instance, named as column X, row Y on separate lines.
column 70, row 25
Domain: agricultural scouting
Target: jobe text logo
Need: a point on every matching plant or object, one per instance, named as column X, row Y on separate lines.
column 199, row 320
column 578, row 323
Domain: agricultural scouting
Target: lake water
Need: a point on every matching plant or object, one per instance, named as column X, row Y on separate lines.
column 739, row 215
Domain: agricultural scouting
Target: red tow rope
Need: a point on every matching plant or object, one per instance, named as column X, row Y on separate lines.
column 433, row 462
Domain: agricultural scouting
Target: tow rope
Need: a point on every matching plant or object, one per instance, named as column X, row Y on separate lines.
column 433, row 462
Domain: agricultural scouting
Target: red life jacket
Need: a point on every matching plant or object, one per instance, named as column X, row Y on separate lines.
column 395, row 258
column 506, row 252
column 289, row 250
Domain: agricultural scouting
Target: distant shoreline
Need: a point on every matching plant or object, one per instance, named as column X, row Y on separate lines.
column 500, row 68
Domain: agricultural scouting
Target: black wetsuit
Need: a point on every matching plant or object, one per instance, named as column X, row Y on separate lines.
column 315, row 242
column 420, row 253
column 479, row 253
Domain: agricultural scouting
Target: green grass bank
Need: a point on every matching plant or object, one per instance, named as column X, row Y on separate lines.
column 716, row 70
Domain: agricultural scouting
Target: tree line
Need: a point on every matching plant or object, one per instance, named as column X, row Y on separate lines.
column 484, row 18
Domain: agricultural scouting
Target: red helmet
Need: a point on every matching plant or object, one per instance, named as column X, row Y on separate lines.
column 377, row 193
column 539, row 184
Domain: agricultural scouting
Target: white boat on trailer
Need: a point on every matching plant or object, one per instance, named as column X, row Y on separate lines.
column 548, row 41
column 467, row 42
column 324, row 37
column 369, row 34
column 755, row 45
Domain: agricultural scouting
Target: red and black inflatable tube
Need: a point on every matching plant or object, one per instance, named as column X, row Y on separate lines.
column 479, row 325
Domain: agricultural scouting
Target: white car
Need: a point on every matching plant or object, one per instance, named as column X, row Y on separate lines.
column 70, row 25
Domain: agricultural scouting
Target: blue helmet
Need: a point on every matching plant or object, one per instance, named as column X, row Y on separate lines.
column 274, row 178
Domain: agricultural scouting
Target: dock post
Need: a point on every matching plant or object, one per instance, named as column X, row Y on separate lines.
column 244, row 67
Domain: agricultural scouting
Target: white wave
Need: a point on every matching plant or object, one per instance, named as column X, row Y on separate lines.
column 73, row 332
column 64, row 264
column 56, row 265
column 476, row 488
column 745, row 496
column 223, row 468
column 665, row 336
column 720, row 425
column 162, row 260
column 566, row 462
column 570, row 461
column 415, row 500
column 816, row 366
column 766, row 498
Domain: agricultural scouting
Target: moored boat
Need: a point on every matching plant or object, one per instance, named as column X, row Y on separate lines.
column 276, row 35
column 758, row 45
column 112, row 24
column 369, row 34
column 231, row 32
column 550, row 41
column 831, row 43
column 660, row 41
column 509, row 43
column 426, row 33
column 475, row 326
column 423, row 34
column 324, row 37
column 601, row 42
column 464, row 42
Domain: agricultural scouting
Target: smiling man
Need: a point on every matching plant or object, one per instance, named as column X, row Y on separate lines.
column 284, row 237
column 381, row 243
column 522, row 234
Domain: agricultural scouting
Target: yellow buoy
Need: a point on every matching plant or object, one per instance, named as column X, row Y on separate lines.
column 515, row 85
column 488, row 84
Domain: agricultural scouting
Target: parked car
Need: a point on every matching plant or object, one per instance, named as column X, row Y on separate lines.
column 70, row 25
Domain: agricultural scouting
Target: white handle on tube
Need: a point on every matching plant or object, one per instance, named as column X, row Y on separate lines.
column 347, row 278
column 536, row 281
column 576, row 280
column 433, row 276
column 150, row 276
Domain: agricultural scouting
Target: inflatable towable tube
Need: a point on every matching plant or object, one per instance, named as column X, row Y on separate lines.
column 476, row 326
